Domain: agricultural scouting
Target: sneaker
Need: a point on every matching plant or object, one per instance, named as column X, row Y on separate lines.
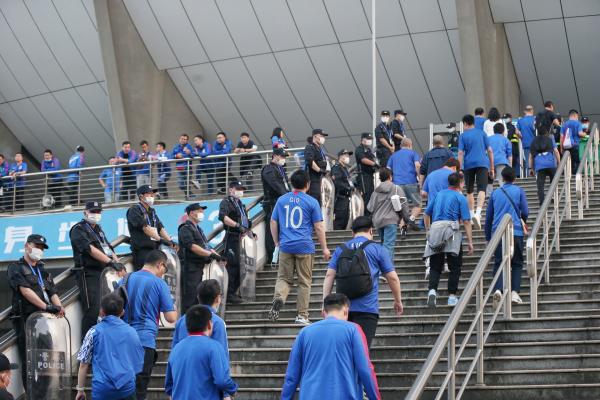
column 403, row 230
column 234, row 299
column 476, row 220
column 496, row 299
column 431, row 298
column 446, row 269
column 195, row 183
column 452, row 300
column 274, row 311
column 515, row 298
column 301, row 320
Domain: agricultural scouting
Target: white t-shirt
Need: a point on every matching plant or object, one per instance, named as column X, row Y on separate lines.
column 488, row 127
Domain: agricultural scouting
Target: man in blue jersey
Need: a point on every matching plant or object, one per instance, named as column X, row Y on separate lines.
column 477, row 159
column 147, row 296
column 508, row 199
column 208, row 294
column 438, row 179
column 405, row 165
column 444, row 239
column 364, row 310
column 114, row 371
column 330, row 358
column 294, row 218
column 479, row 118
column 77, row 160
column 198, row 367
column 526, row 128
column 502, row 149
column 570, row 135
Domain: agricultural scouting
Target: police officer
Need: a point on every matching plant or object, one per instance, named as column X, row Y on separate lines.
column 385, row 138
column 194, row 252
column 398, row 128
column 145, row 229
column 514, row 137
column 366, row 166
column 33, row 290
column 343, row 190
column 235, row 218
column 316, row 163
column 275, row 184
column 92, row 252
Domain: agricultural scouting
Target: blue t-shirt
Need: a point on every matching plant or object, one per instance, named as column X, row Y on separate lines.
column 501, row 147
column 219, row 332
column 499, row 205
column 526, row 125
column 402, row 164
column 380, row 263
column 295, row 213
column 474, row 143
column 573, row 127
column 19, row 180
column 148, row 297
column 436, row 182
column 449, row 205
column 546, row 159
column 107, row 177
column 479, row 121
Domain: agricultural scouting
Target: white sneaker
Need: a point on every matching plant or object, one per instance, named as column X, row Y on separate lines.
column 452, row 300
column 476, row 220
column 301, row 320
column 431, row 298
column 515, row 298
column 446, row 269
column 496, row 299
column 195, row 183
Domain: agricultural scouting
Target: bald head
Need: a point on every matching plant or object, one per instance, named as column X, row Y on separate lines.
column 406, row 143
column 438, row 141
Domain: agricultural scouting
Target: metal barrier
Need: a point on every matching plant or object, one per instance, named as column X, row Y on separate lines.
column 588, row 166
column 447, row 338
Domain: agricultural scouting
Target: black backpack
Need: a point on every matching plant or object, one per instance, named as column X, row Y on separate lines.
column 543, row 122
column 353, row 275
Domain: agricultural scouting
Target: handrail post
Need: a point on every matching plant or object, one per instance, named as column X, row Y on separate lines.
column 532, row 268
column 14, row 196
column 480, row 309
column 113, row 190
column 452, row 366
column 568, row 188
column 507, row 250
column 187, row 179
column 595, row 139
column 78, row 187
column 226, row 174
column 557, row 218
column 547, row 250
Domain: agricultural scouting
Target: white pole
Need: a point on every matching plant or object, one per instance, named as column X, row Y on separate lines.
column 374, row 69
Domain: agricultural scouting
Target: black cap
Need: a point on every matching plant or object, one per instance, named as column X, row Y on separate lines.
column 318, row 131
column 385, row 112
column 344, row 151
column 585, row 119
column 451, row 125
column 194, row 207
column 361, row 223
column 93, row 206
column 366, row 135
column 400, row 111
column 237, row 185
column 79, row 149
column 37, row 239
column 280, row 152
column 5, row 365
column 507, row 115
column 145, row 189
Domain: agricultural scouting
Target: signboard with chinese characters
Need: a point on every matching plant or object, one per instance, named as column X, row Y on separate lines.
column 55, row 227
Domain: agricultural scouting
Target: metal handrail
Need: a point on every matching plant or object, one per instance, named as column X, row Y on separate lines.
column 588, row 166
column 447, row 337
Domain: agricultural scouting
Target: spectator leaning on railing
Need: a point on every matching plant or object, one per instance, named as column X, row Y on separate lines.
column 163, row 169
column 126, row 156
column 143, row 171
column 77, row 160
column 110, row 180
column 222, row 146
column 183, row 151
column 16, row 171
column 203, row 149
column 4, row 197
column 55, row 186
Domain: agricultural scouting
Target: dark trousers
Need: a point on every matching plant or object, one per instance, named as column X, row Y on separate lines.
column 129, row 183
column 19, row 325
column 367, row 186
column 314, row 190
column 516, row 161
column 139, row 257
column 220, row 175
column 143, row 378
column 19, row 198
column 269, row 243
column 574, row 158
column 516, row 265
column 247, row 169
column 436, row 264
column 72, row 188
column 192, row 276
column 232, row 255
column 341, row 212
column 541, row 179
column 383, row 156
column 182, row 180
column 209, row 173
column 55, row 190
column 89, row 292
column 368, row 323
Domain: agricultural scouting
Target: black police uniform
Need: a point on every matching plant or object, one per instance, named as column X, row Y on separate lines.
column 343, row 191
column 315, row 153
column 233, row 208
column 275, row 184
column 36, row 278
column 397, row 129
column 89, row 270
column 383, row 131
column 365, row 172
column 138, row 217
column 191, row 263
column 514, row 141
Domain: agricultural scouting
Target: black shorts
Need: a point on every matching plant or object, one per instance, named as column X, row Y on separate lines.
column 480, row 174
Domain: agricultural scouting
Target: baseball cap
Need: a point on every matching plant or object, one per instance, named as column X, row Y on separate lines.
column 237, row 185
column 37, row 239
column 400, row 111
column 318, row 131
column 344, row 151
column 5, row 364
column 585, row 119
column 385, row 112
column 145, row 189
column 194, row 207
column 451, row 125
column 93, row 206
column 280, row 152
column 79, row 149
column 366, row 135
column 361, row 223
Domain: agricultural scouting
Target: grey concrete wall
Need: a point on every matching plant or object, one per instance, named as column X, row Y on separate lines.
column 488, row 70
column 145, row 104
column 10, row 144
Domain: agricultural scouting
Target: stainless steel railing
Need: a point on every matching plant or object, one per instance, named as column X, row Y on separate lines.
column 584, row 177
column 447, row 338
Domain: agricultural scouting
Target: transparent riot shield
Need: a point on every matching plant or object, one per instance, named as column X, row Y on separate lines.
column 172, row 278
column 357, row 207
column 110, row 279
column 248, row 268
column 327, row 202
column 48, row 343
column 216, row 270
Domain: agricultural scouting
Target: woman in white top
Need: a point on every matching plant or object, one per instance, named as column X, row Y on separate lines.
column 493, row 119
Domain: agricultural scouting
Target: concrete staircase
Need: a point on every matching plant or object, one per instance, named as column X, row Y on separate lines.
column 554, row 357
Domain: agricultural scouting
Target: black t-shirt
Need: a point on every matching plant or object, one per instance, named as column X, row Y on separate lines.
column 190, row 234
column 233, row 208
column 275, row 182
column 20, row 274
column 137, row 218
column 397, row 128
column 82, row 236
column 541, row 144
column 383, row 131
column 364, row 152
column 248, row 156
column 341, row 180
column 316, row 154
column 4, row 395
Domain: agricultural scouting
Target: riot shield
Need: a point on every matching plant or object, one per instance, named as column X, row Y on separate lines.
column 110, row 279
column 48, row 344
column 216, row 270
column 357, row 207
column 327, row 202
column 248, row 268
column 172, row 279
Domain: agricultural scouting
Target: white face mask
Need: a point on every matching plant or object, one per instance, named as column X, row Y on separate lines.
column 200, row 217
column 368, row 142
column 149, row 200
column 385, row 120
column 585, row 126
column 93, row 218
column 238, row 194
column 322, row 140
column 281, row 162
column 345, row 160
column 401, row 117
column 36, row 254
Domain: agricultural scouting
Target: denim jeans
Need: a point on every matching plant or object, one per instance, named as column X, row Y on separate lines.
column 388, row 238
column 516, row 265
column 526, row 161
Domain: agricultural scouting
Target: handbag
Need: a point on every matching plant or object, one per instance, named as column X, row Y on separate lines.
column 523, row 224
